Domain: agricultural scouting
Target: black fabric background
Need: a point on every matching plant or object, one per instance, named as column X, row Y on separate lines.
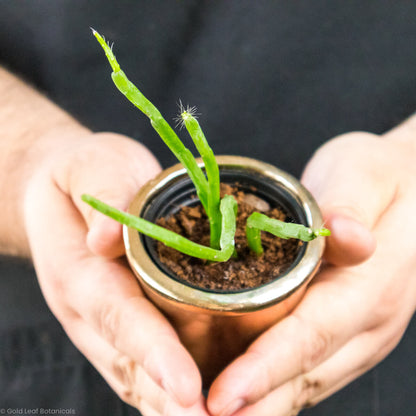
column 272, row 80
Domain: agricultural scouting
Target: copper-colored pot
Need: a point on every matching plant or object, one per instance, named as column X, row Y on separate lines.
column 217, row 327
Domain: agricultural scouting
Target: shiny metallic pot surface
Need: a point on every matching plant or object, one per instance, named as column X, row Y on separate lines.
column 216, row 327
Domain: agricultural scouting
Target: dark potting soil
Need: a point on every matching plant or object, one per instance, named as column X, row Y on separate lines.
column 244, row 272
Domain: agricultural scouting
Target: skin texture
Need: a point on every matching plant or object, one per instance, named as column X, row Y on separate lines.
column 365, row 186
column 90, row 289
column 352, row 316
column 76, row 251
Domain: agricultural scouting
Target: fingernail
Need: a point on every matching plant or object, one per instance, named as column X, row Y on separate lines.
column 352, row 229
column 346, row 222
column 233, row 407
column 351, row 242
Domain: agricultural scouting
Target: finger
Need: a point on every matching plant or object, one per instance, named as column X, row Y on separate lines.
column 104, row 358
column 134, row 327
column 353, row 184
column 354, row 359
column 129, row 380
column 107, row 296
column 340, row 304
column 112, row 168
column 293, row 346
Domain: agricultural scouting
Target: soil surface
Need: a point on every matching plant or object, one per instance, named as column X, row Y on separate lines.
column 244, row 272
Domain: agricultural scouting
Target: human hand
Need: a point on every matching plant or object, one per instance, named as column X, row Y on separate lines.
column 352, row 315
column 88, row 287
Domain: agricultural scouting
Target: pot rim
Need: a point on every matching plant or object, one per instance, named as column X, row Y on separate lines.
column 155, row 280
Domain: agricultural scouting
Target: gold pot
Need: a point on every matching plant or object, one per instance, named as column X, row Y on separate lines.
column 217, row 327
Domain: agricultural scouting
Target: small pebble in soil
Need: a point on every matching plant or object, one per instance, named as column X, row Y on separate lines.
column 247, row 270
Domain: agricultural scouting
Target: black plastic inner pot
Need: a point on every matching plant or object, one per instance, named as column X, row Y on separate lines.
column 181, row 192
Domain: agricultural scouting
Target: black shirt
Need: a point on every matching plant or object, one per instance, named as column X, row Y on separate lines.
column 272, row 80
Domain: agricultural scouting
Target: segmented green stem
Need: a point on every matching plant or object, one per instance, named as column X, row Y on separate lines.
column 164, row 130
column 228, row 208
column 213, row 175
column 257, row 222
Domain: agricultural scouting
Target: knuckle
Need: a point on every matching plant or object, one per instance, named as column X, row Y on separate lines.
column 108, row 323
column 124, row 369
column 135, row 385
column 126, row 395
column 306, row 390
column 353, row 137
column 383, row 314
column 343, row 144
column 388, row 303
column 337, row 155
column 314, row 348
column 387, row 338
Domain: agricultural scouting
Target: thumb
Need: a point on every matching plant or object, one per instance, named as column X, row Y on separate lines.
column 112, row 168
column 352, row 184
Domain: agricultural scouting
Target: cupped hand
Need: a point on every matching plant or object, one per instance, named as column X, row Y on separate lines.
column 358, row 306
column 88, row 286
